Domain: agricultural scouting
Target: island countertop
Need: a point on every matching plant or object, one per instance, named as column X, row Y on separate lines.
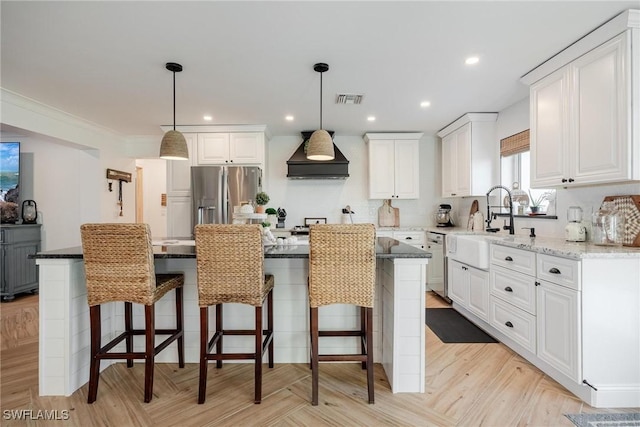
column 386, row 248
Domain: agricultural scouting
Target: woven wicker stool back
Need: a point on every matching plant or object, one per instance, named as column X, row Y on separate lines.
column 342, row 264
column 230, row 262
column 118, row 261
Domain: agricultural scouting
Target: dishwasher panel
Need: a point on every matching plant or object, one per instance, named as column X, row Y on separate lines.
column 436, row 269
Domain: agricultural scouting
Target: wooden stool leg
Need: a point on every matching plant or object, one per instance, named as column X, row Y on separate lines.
column 220, row 328
column 270, row 326
column 204, row 345
column 258, row 357
column 314, row 355
column 370, row 383
column 180, row 325
column 94, row 370
column 363, row 333
column 128, row 327
column 150, row 333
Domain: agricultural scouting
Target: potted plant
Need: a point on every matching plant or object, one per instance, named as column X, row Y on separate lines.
column 272, row 216
column 536, row 202
column 262, row 199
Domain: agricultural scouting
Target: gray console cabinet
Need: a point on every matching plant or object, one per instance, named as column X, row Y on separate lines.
column 18, row 272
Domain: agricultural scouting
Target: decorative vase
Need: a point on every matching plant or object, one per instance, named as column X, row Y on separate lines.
column 260, row 209
column 534, row 209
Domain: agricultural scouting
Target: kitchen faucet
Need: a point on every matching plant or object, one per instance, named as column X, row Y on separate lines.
column 492, row 214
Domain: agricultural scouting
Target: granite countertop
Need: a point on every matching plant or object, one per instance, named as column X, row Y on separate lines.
column 574, row 250
column 385, row 248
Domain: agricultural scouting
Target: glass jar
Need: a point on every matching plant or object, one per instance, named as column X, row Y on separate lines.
column 608, row 225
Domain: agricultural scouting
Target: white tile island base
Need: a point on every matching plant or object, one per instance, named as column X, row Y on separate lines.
column 399, row 320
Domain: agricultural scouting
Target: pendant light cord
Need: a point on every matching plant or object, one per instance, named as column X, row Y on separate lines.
column 174, row 100
column 321, row 100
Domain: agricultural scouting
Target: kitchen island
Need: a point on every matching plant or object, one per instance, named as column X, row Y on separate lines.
column 399, row 315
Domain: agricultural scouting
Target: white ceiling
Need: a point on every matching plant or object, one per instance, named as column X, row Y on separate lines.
column 252, row 62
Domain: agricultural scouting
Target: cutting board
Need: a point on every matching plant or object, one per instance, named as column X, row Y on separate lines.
column 388, row 216
column 472, row 212
column 630, row 207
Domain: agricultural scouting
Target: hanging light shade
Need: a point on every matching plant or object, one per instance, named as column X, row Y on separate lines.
column 173, row 145
column 320, row 144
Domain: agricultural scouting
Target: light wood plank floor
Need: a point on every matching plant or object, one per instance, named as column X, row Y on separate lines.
column 467, row 385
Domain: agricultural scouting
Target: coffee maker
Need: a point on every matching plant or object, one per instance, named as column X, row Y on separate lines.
column 575, row 231
column 443, row 216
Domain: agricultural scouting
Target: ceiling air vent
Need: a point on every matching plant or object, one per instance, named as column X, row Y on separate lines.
column 348, row 98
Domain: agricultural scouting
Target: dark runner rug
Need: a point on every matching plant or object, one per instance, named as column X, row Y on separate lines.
column 605, row 420
column 452, row 327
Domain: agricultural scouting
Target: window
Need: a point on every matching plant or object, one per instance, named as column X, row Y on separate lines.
column 515, row 174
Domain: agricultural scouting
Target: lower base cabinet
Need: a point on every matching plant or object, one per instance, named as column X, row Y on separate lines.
column 469, row 287
column 18, row 273
column 575, row 319
column 558, row 328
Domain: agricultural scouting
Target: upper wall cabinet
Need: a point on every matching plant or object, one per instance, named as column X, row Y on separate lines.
column 208, row 146
column 245, row 148
column 393, row 165
column 469, row 155
column 585, row 115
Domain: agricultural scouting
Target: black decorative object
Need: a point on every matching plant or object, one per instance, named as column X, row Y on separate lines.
column 29, row 212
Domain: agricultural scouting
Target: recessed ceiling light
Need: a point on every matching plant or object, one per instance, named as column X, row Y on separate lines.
column 288, row 118
column 371, row 118
column 472, row 60
column 208, row 118
column 425, row 104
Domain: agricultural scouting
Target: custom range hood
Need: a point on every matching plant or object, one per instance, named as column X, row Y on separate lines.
column 299, row 167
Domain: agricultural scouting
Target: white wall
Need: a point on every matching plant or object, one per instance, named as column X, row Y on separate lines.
column 66, row 169
column 326, row 198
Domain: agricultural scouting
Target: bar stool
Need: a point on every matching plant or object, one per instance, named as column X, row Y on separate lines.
column 342, row 270
column 230, row 264
column 118, row 262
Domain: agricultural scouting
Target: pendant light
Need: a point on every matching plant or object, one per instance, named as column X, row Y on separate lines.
column 173, row 145
column 320, row 144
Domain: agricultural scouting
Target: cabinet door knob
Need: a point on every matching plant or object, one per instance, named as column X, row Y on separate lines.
column 570, row 179
column 554, row 270
column 537, row 283
column 508, row 258
column 509, row 324
column 508, row 289
column 564, row 179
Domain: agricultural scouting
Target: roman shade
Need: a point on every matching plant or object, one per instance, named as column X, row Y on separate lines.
column 515, row 144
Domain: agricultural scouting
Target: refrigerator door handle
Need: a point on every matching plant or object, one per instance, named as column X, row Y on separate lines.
column 223, row 197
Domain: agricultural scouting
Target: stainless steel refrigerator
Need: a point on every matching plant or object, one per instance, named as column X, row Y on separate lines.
column 215, row 190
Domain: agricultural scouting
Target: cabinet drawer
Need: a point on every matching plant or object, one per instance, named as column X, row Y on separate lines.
column 410, row 237
column 384, row 233
column 514, row 259
column 517, row 324
column 20, row 233
column 562, row 271
column 515, row 288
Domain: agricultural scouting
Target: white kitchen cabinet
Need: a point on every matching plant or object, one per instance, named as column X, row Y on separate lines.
column 243, row 148
column 469, row 155
column 558, row 317
column 179, row 171
column 584, row 118
column 393, row 165
column 179, row 217
column 413, row 238
column 469, row 287
column 558, row 308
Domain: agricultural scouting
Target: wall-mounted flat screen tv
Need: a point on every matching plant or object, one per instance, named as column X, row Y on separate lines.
column 10, row 172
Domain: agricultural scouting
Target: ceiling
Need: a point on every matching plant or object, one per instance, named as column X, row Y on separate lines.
column 252, row 62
